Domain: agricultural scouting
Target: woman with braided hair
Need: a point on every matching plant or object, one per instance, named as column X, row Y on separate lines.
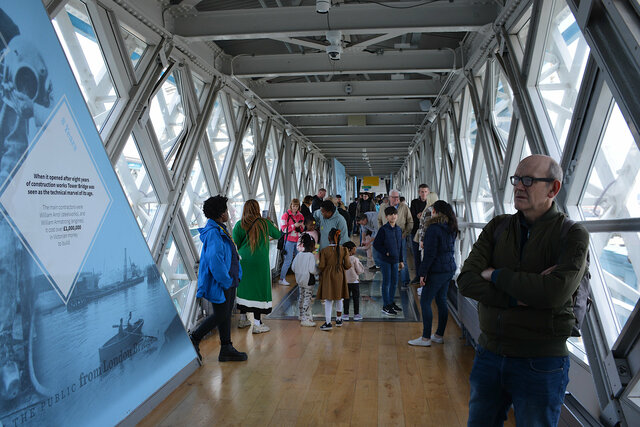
column 251, row 236
column 334, row 261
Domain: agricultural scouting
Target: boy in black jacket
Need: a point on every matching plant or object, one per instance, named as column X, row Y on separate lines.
column 388, row 245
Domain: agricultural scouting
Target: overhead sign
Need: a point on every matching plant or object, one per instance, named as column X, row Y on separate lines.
column 89, row 331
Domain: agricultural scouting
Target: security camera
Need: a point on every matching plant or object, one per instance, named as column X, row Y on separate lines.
column 334, row 52
column 348, row 89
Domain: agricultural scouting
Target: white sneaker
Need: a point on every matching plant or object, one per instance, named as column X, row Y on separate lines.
column 283, row 282
column 437, row 339
column 244, row 323
column 307, row 323
column 345, row 317
column 420, row 342
column 258, row 329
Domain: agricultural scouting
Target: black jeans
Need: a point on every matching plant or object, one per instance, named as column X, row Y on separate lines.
column 221, row 318
column 354, row 295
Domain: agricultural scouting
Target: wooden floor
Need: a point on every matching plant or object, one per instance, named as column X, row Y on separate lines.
column 363, row 374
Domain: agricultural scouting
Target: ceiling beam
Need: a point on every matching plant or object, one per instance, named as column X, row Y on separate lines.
column 406, row 61
column 340, row 108
column 359, row 90
column 390, row 131
column 355, row 139
column 342, row 122
column 303, row 21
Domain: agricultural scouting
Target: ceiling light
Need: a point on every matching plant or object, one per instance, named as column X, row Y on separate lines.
column 322, row 6
column 425, row 105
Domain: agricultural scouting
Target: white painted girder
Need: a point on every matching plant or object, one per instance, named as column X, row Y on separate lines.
column 407, row 122
column 338, row 108
column 245, row 24
column 359, row 90
column 407, row 61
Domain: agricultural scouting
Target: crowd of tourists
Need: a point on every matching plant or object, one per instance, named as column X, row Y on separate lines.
column 521, row 287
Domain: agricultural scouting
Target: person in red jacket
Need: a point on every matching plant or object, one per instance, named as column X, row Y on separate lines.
column 293, row 225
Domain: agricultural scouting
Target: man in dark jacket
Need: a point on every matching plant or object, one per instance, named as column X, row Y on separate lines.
column 352, row 213
column 317, row 200
column 524, row 282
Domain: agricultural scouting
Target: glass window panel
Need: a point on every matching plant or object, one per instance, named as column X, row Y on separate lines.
column 523, row 34
column 451, row 142
column 613, row 189
column 174, row 275
column 167, row 117
column 218, row 136
column 271, row 153
column 615, row 258
column 236, row 200
column 296, row 160
column 469, row 137
column 261, row 196
column 509, row 206
column 196, row 192
column 502, row 109
column 483, row 203
column 248, row 147
column 137, row 186
column 135, row 46
column 199, row 85
column 82, row 48
column 565, row 58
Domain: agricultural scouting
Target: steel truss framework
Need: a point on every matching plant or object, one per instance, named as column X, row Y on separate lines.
column 503, row 109
column 178, row 130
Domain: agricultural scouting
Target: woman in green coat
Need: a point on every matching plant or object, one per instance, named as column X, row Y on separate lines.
column 251, row 236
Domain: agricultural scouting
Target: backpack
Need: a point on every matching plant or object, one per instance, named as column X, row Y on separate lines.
column 581, row 298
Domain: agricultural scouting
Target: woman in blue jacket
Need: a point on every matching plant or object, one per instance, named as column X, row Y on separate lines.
column 436, row 270
column 219, row 274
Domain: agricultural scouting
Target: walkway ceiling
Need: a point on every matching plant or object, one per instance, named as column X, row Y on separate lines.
column 363, row 109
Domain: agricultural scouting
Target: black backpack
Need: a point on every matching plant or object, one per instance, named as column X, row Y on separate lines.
column 581, row 298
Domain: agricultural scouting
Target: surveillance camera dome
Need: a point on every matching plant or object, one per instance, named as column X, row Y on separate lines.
column 334, row 52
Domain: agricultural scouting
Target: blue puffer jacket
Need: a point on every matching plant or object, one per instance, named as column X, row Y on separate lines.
column 219, row 265
column 389, row 241
column 438, row 244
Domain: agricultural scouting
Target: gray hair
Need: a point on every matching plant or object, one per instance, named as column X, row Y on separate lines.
column 394, row 191
column 555, row 171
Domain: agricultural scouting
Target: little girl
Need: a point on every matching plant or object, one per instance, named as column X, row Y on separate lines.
column 304, row 267
column 310, row 229
column 334, row 261
column 367, row 242
column 353, row 282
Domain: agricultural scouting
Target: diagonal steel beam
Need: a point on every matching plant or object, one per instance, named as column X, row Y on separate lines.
column 244, row 24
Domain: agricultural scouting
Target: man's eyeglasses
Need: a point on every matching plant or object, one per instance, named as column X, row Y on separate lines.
column 527, row 181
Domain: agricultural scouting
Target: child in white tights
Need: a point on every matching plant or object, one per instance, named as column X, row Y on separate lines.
column 334, row 261
column 304, row 267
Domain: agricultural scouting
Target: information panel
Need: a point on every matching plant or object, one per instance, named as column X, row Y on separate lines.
column 340, row 177
column 88, row 330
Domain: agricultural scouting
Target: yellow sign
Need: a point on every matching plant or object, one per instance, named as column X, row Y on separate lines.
column 370, row 181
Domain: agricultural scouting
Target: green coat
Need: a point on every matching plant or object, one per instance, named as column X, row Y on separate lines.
column 541, row 326
column 255, row 287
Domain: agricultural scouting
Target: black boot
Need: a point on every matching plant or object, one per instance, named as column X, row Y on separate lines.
column 196, row 346
column 230, row 354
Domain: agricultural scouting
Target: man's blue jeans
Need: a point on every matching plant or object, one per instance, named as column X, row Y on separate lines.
column 404, row 274
column 389, row 281
column 535, row 386
column 292, row 250
column 436, row 287
column 417, row 259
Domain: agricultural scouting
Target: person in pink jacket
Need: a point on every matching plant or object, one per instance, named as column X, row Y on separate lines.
column 353, row 282
column 293, row 225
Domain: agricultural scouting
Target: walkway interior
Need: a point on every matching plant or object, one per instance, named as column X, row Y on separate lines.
column 363, row 374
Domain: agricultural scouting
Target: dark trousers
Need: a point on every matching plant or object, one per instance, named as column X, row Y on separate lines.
column 415, row 247
column 221, row 318
column 354, row 295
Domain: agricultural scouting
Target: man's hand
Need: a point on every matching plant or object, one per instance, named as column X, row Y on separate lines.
column 400, row 266
column 486, row 274
column 419, row 215
column 422, row 282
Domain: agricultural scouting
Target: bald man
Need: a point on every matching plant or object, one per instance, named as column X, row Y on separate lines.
column 523, row 275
